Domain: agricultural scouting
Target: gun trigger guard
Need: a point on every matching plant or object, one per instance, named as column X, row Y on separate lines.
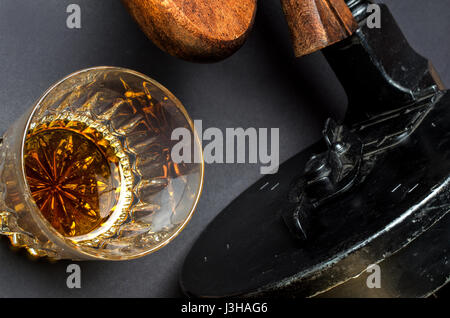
column 326, row 176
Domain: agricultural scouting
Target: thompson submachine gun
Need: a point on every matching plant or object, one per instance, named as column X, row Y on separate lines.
column 374, row 192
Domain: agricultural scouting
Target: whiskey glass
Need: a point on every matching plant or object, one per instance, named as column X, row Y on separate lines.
column 87, row 172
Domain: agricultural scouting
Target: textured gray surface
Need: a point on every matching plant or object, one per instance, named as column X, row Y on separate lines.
column 260, row 86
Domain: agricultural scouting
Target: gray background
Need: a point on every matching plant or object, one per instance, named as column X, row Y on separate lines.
column 262, row 85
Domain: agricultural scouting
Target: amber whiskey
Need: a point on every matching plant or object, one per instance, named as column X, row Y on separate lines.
column 73, row 174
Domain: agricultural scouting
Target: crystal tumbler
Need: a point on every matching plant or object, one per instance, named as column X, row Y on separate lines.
column 87, row 172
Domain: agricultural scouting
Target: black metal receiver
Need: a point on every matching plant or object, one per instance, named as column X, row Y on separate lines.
column 376, row 190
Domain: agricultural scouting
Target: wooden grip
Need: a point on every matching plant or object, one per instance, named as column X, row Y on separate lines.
column 195, row 30
column 316, row 24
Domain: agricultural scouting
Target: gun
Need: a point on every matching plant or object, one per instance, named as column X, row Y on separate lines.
column 373, row 192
